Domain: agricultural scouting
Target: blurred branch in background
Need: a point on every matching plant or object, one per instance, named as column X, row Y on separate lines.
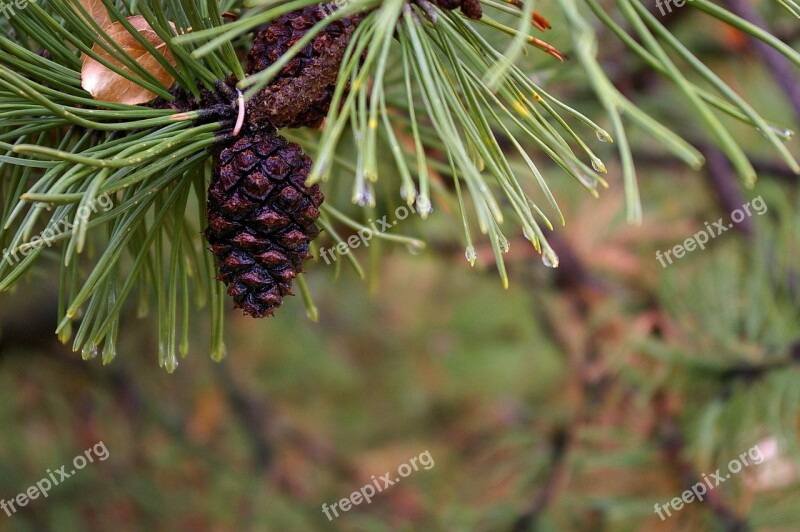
column 781, row 69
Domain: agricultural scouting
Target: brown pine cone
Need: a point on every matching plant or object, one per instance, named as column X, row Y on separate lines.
column 261, row 218
column 471, row 8
column 300, row 95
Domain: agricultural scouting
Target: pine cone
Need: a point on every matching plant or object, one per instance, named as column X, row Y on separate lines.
column 301, row 94
column 471, row 8
column 261, row 218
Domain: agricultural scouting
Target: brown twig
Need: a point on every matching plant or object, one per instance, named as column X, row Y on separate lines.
column 726, row 186
column 561, row 442
column 254, row 416
column 582, row 292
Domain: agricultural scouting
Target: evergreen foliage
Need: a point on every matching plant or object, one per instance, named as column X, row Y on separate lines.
column 450, row 98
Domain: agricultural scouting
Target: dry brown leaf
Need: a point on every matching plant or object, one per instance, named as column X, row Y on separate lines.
column 105, row 84
column 97, row 10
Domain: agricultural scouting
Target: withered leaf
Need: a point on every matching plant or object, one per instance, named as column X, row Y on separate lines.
column 96, row 10
column 105, row 84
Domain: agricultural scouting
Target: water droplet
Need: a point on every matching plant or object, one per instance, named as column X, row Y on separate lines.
column 365, row 197
column 424, row 207
column 549, row 258
column 471, row 255
column 598, row 165
column 415, row 247
column 503, row 243
column 603, row 136
column 408, row 192
column 219, row 354
column 89, row 351
column 171, row 363
column 784, row 134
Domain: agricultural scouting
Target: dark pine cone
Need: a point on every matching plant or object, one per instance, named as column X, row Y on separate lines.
column 261, row 218
column 471, row 8
column 300, row 95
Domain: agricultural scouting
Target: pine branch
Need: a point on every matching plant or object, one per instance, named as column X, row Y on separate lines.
column 553, row 480
column 425, row 82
